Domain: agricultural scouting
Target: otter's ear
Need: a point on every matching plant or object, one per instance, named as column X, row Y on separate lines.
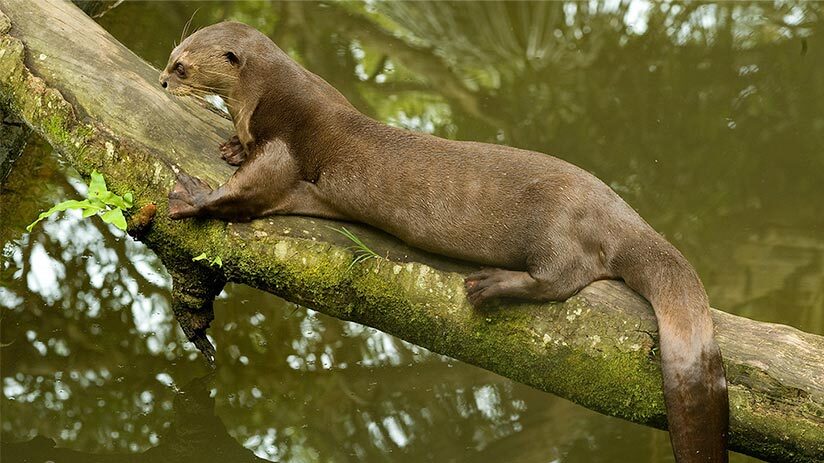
column 234, row 59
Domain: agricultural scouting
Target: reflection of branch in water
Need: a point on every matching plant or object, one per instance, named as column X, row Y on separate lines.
column 196, row 435
column 770, row 268
column 357, row 403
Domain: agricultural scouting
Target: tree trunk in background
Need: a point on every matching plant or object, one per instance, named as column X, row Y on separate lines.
column 101, row 107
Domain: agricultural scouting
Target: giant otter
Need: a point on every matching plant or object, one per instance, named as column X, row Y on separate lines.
column 545, row 227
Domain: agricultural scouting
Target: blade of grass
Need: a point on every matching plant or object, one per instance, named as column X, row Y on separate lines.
column 361, row 251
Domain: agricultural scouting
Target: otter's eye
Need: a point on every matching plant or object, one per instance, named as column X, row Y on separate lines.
column 180, row 70
column 232, row 58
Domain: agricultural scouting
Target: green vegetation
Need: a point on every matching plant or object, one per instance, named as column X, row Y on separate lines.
column 360, row 249
column 216, row 261
column 99, row 200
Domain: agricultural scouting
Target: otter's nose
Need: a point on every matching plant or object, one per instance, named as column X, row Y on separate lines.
column 164, row 83
column 164, row 79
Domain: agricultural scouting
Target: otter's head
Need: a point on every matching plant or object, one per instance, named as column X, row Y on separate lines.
column 210, row 60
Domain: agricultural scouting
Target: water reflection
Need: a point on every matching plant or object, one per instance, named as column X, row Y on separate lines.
column 707, row 118
column 194, row 434
column 340, row 391
column 84, row 316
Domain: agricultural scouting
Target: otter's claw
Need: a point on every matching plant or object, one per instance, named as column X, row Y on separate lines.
column 481, row 286
column 186, row 198
column 232, row 151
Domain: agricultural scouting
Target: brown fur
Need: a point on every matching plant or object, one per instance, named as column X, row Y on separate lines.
column 547, row 228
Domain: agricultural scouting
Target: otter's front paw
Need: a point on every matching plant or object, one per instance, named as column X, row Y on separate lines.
column 186, row 198
column 232, row 151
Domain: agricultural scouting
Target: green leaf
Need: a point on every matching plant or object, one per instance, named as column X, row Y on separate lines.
column 217, row 261
column 200, row 257
column 65, row 205
column 100, row 195
column 96, row 202
column 90, row 211
column 114, row 217
column 97, row 185
column 112, row 199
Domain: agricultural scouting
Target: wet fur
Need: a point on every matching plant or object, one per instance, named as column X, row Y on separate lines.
column 545, row 227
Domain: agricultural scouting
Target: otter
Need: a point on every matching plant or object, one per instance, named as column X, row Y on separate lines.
column 542, row 227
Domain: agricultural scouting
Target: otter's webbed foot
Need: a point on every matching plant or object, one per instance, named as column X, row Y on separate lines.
column 232, row 151
column 478, row 286
column 493, row 283
column 187, row 197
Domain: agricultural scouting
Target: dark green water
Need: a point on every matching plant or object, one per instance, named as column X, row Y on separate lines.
column 707, row 119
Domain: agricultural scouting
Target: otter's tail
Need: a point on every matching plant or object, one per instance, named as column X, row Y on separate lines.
column 695, row 389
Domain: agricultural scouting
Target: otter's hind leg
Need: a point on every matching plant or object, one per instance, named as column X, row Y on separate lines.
column 535, row 285
column 493, row 283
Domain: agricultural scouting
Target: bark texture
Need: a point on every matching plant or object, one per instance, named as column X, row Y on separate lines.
column 102, row 108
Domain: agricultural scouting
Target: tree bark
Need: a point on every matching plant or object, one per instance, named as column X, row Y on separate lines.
column 102, row 108
column 13, row 135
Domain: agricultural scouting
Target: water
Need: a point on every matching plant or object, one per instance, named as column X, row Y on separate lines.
column 709, row 120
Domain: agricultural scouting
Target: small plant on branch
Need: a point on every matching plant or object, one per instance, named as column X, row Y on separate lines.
column 216, row 261
column 99, row 201
column 362, row 251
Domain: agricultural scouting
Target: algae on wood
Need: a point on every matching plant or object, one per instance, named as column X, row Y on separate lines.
column 101, row 107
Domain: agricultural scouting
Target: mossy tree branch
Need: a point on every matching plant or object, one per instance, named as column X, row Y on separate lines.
column 101, row 107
